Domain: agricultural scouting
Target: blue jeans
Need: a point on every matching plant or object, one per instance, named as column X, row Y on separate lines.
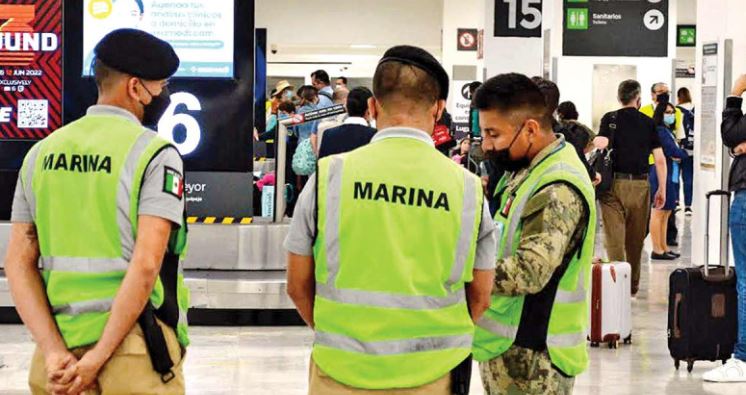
column 737, row 223
column 687, row 174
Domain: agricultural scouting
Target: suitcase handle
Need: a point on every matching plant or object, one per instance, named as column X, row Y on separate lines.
column 677, row 317
column 706, row 272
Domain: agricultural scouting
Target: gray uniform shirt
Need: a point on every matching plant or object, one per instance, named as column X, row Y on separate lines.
column 300, row 237
column 154, row 200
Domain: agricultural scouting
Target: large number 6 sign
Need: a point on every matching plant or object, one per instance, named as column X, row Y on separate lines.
column 170, row 119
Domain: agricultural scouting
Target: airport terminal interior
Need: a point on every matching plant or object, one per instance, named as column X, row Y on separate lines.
column 247, row 116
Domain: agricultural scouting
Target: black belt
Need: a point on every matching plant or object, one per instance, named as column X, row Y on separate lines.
column 626, row 176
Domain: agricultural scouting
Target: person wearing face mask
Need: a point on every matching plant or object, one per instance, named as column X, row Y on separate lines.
column 546, row 234
column 391, row 248
column 665, row 122
column 632, row 137
column 100, row 202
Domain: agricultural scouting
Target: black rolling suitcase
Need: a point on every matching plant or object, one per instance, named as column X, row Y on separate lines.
column 702, row 308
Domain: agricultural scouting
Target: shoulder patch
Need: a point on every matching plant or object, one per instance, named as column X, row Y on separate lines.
column 173, row 182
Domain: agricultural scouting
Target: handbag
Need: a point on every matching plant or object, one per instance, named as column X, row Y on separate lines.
column 304, row 160
column 441, row 135
column 601, row 160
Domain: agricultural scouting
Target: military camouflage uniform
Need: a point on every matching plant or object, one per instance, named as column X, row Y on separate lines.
column 554, row 221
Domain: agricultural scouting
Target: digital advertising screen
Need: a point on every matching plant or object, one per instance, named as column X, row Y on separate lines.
column 30, row 69
column 210, row 118
column 201, row 31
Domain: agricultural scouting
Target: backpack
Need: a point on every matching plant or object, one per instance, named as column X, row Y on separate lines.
column 601, row 160
column 304, row 160
column 688, row 121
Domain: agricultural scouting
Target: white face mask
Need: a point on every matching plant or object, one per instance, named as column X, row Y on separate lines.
column 372, row 123
column 338, row 86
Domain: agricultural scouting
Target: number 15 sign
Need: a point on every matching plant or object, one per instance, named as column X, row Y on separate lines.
column 518, row 18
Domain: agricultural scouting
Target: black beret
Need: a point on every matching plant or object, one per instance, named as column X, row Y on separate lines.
column 137, row 53
column 422, row 59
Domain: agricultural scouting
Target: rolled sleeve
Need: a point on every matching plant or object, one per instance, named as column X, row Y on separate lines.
column 157, row 198
column 299, row 240
column 486, row 255
column 21, row 212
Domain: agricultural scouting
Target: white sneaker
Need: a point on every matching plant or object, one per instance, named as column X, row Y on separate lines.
column 734, row 371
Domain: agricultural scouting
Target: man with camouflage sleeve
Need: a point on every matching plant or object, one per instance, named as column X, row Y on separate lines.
column 532, row 340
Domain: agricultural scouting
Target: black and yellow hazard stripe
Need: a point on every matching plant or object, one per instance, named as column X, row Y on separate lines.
column 219, row 220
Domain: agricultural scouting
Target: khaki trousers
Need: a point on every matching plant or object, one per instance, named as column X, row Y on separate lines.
column 128, row 371
column 321, row 384
column 626, row 212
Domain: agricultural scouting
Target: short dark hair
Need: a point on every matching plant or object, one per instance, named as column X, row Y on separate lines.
column 357, row 101
column 322, row 76
column 474, row 86
column 397, row 81
column 344, row 80
column 103, row 73
column 307, row 92
column 550, row 91
column 287, row 107
column 511, row 93
column 684, row 96
column 628, row 91
column 567, row 111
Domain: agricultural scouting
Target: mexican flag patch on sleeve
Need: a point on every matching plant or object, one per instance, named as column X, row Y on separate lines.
column 173, row 183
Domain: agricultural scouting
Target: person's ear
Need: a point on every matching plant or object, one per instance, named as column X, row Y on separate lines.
column 533, row 130
column 440, row 107
column 133, row 88
column 372, row 110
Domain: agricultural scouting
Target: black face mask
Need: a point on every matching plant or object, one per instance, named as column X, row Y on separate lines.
column 501, row 158
column 153, row 111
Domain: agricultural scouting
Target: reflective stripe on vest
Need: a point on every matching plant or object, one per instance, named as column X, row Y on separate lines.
column 392, row 347
column 381, row 299
column 84, row 265
column 89, row 306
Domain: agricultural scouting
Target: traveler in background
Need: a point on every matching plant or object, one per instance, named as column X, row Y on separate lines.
column 309, row 100
column 532, row 339
column 340, row 82
column 658, row 89
column 473, row 112
column 574, row 136
column 355, row 132
column 665, row 122
column 340, row 98
column 626, row 206
column 284, row 111
column 320, row 81
column 579, row 135
column 686, row 107
column 394, row 261
column 462, row 157
column 733, row 130
column 446, row 122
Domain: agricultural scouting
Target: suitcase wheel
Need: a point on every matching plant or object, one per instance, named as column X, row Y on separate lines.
column 725, row 361
column 594, row 344
column 628, row 340
column 676, row 364
column 614, row 344
column 689, row 366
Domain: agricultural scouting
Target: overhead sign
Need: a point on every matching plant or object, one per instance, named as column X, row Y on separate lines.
column 615, row 28
column 467, row 39
column 30, row 69
column 518, row 18
column 686, row 35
